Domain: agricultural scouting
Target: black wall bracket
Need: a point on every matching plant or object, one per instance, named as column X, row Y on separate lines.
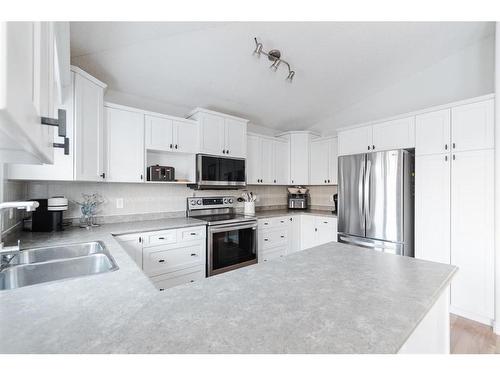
column 60, row 122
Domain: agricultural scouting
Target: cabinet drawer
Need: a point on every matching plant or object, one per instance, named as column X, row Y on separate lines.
column 277, row 222
column 275, row 253
column 159, row 259
column 274, row 238
column 160, row 238
column 327, row 221
column 170, row 280
column 190, row 234
column 264, row 223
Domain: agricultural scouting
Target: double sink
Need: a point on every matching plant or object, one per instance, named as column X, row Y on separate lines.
column 45, row 264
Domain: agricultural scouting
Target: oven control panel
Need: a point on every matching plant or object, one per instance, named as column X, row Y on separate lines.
column 198, row 203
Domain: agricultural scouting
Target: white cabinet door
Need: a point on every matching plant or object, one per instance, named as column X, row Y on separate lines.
column 159, row 133
column 432, row 207
column 472, row 234
column 320, row 151
column 395, row 134
column 63, row 166
column 253, row 165
column 307, row 232
column 355, row 141
column 294, row 233
column 472, row 126
column 333, row 167
column 212, row 134
column 88, row 129
column 26, row 91
column 185, row 135
column 432, row 132
column 281, row 162
column 132, row 244
column 125, row 145
column 326, row 229
column 267, row 161
column 235, row 138
column 299, row 159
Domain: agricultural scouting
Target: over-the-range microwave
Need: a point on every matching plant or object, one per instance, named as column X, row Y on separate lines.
column 217, row 172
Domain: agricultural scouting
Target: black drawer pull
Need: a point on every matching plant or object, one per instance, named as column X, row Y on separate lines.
column 161, row 261
column 325, row 222
column 192, row 234
column 265, row 239
column 191, row 281
column 161, row 238
column 162, row 289
column 282, row 236
column 194, row 255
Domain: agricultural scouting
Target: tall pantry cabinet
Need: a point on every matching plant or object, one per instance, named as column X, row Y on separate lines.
column 454, row 215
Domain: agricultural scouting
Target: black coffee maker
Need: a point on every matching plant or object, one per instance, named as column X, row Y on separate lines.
column 48, row 217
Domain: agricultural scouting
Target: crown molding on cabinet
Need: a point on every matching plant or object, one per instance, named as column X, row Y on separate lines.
column 204, row 110
column 84, row 74
column 420, row 111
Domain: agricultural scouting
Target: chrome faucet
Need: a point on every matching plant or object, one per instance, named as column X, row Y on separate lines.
column 28, row 206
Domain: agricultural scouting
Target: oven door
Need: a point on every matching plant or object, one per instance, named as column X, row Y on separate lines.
column 219, row 171
column 231, row 246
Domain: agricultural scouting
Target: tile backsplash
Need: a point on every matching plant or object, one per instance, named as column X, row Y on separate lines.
column 157, row 198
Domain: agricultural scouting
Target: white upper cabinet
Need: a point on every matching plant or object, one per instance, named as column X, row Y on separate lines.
column 124, row 145
column 159, row 133
column 355, row 141
column 387, row 135
column 89, row 137
column 185, row 136
column 281, row 162
column 221, row 134
column 324, row 161
column 168, row 134
column 267, row 160
column 27, row 91
column 395, row 134
column 472, row 126
column 236, row 140
column 299, row 157
column 432, row 132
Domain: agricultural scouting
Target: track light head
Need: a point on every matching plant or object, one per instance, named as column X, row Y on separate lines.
column 291, row 73
column 275, row 65
column 258, row 49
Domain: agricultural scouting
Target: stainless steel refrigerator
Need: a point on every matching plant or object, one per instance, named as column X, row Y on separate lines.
column 376, row 201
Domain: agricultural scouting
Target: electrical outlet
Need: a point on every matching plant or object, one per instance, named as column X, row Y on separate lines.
column 119, row 202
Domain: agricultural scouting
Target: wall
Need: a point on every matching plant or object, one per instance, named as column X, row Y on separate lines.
column 464, row 75
column 10, row 191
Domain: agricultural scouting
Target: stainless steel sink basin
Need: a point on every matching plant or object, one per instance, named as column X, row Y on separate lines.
column 41, row 265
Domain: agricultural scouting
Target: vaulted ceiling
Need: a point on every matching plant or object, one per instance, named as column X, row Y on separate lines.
column 211, row 64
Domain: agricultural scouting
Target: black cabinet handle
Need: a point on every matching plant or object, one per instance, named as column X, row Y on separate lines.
column 161, row 238
column 328, row 181
column 176, row 147
column 142, row 177
column 446, row 146
column 103, row 175
column 446, row 158
column 325, row 181
column 315, row 229
column 373, row 147
column 265, row 239
column 194, row 255
column 162, row 289
column 282, row 236
column 453, row 145
column 161, row 261
column 453, row 157
column 368, row 147
column 192, row 234
column 274, row 181
column 223, row 151
column 227, row 151
column 171, row 145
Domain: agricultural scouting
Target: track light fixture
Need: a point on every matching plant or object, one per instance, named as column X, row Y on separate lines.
column 273, row 55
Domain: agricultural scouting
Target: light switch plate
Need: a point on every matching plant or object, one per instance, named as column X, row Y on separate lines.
column 119, row 202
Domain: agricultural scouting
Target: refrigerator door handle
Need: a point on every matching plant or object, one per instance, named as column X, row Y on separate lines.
column 366, row 203
column 360, row 196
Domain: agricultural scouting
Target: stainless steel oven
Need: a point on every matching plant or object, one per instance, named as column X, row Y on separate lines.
column 219, row 172
column 231, row 246
column 231, row 237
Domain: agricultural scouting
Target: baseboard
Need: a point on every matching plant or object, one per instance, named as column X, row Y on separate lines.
column 471, row 316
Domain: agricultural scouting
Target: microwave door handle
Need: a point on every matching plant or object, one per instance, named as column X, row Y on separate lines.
column 367, row 194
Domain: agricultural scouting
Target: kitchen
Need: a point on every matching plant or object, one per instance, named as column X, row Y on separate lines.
column 222, row 213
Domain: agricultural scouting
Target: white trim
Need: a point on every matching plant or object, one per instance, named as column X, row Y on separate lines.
column 85, row 75
column 471, row 316
column 267, row 136
column 497, row 182
column 313, row 134
column 419, row 112
column 147, row 113
column 210, row 112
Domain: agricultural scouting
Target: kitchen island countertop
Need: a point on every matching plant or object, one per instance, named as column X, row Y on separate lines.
column 333, row 298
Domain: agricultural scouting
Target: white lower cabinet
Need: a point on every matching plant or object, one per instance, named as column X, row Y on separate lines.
column 280, row 236
column 169, row 257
